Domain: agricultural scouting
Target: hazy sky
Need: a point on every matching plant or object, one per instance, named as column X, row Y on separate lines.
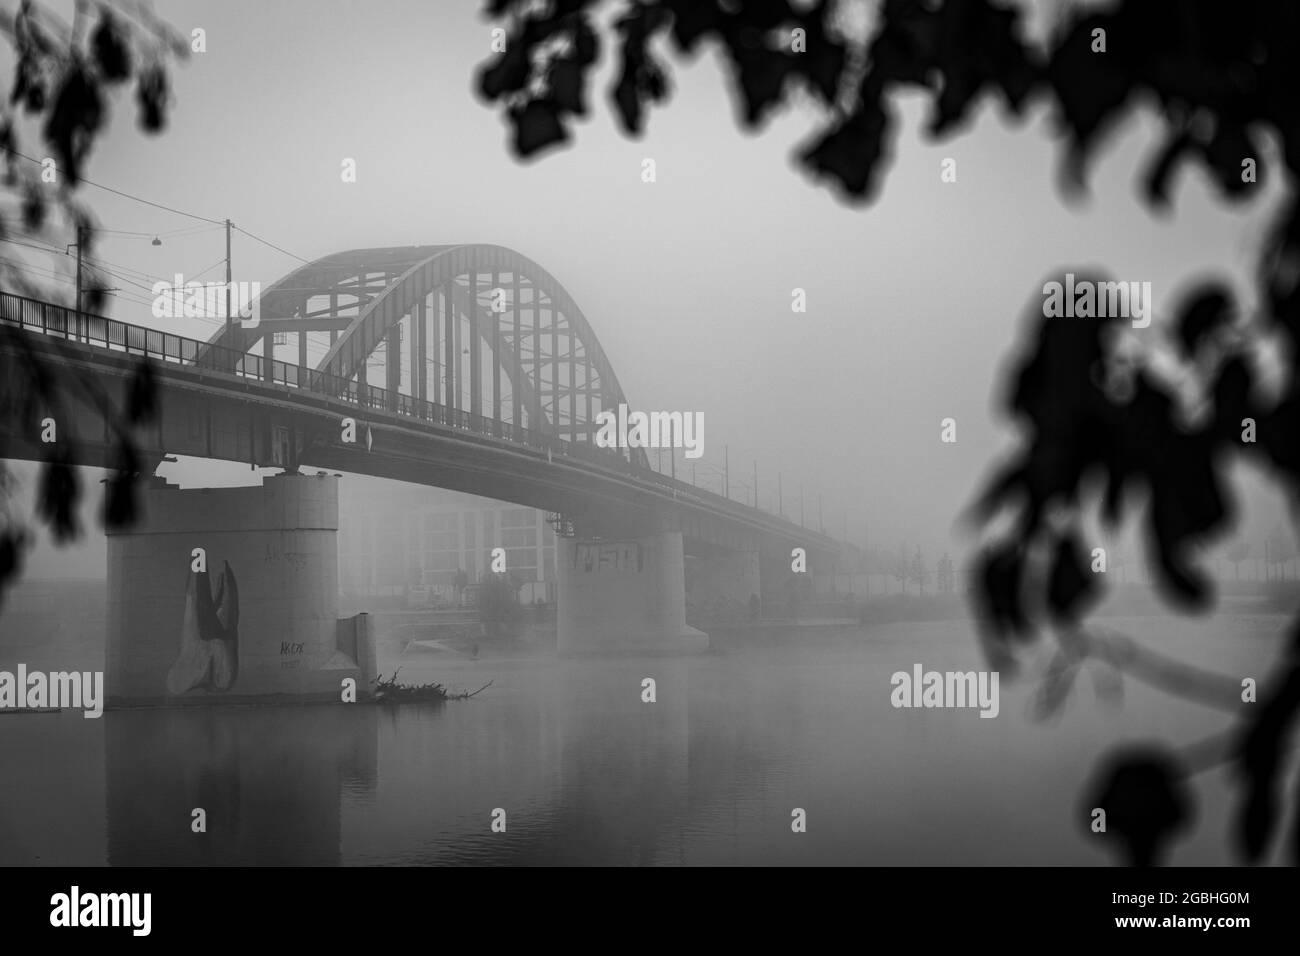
column 913, row 302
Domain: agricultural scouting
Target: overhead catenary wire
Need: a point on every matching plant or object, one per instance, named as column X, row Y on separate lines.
column 172, row 233
column 126, row 294
column 172, row 209
column 209, row 268
column 94, row 261
column 270, row 245
column 122, row 278
column 45, row 248
column 28, row 267
column 52, row 276
column 117, row 270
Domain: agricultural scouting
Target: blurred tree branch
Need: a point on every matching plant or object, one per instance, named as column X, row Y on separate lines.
column 64, row 77
column 1222, row 78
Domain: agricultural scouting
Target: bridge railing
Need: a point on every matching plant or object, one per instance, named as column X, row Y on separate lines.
column 60, row 321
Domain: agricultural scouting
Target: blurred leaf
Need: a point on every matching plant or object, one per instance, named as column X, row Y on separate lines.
column 1143, row 790
column 586, row 44
column 977, row 47
column 120, row 507
column 142, row 400
column 823, row 63
column 33, row 209
column 852, row 151
column 692, row 20
column 1260, row 757
column 1232, row 401
column 94, row 297
column 998, row 576
column 1205, row 311
column 1160, row 172
column 29, row 85
column 509, row 73
column 151, row 93
column 537, row 126
column 1279, row 435
column 58, row 496
column 13, row 542
column 1091, row 92
column 1230, row 144
column 760, row 74
column 111, row 49
column 1071, row 584
column 642, row 79
column 567, row 85
column 74, row 120
column 1188, row 505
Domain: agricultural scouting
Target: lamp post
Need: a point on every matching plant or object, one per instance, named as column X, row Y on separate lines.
column 81, row 241
column 229, row 286
column 81, row 234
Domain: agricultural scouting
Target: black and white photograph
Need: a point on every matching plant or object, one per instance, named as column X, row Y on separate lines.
column 835, row 435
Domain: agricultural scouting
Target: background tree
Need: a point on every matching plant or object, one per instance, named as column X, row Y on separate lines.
column 1222, row 78
column 1280, row 550
column 65, row 76
column 498, row 604
column 1117, row 562
column 944, row 574
column 918, row 572
column 898, row 567
column 1237, row 553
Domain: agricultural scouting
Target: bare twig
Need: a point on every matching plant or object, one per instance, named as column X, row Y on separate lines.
column 390, row 690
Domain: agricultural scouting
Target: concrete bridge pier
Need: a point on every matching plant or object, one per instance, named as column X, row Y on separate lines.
column 226, row 593
column 624, row 597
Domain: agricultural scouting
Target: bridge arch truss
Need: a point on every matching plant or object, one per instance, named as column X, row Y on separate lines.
column 476, row 329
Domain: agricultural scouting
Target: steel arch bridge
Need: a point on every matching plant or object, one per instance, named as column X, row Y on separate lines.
column 478, row 329
column 492, row 381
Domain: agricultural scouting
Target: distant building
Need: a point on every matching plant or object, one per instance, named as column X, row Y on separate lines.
column 404, row 541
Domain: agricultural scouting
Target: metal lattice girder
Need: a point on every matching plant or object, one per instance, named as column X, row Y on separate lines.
column 541, row 344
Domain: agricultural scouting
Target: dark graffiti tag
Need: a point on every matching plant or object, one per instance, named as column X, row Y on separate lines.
column 617, row 556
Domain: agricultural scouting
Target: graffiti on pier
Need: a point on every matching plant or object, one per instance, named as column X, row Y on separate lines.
column 613, row 556
column 208, row 657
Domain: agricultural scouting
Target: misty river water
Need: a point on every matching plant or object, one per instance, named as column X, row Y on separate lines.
column 589, row 774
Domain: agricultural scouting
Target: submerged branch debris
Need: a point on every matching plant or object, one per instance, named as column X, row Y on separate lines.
column 391, row 691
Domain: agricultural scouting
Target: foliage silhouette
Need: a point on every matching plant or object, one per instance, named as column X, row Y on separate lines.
column 498, row 604
column 1223, row 78
column 1145, row 795
column 64, row 76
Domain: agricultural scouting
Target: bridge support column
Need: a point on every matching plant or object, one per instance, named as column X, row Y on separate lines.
column 723, row 587
column 260, row 621
column 624, row 597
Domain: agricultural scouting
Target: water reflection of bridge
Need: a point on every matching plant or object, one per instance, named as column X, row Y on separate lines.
column 586, row 772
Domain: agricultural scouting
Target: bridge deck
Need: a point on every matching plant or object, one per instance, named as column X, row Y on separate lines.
column 104, row 343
